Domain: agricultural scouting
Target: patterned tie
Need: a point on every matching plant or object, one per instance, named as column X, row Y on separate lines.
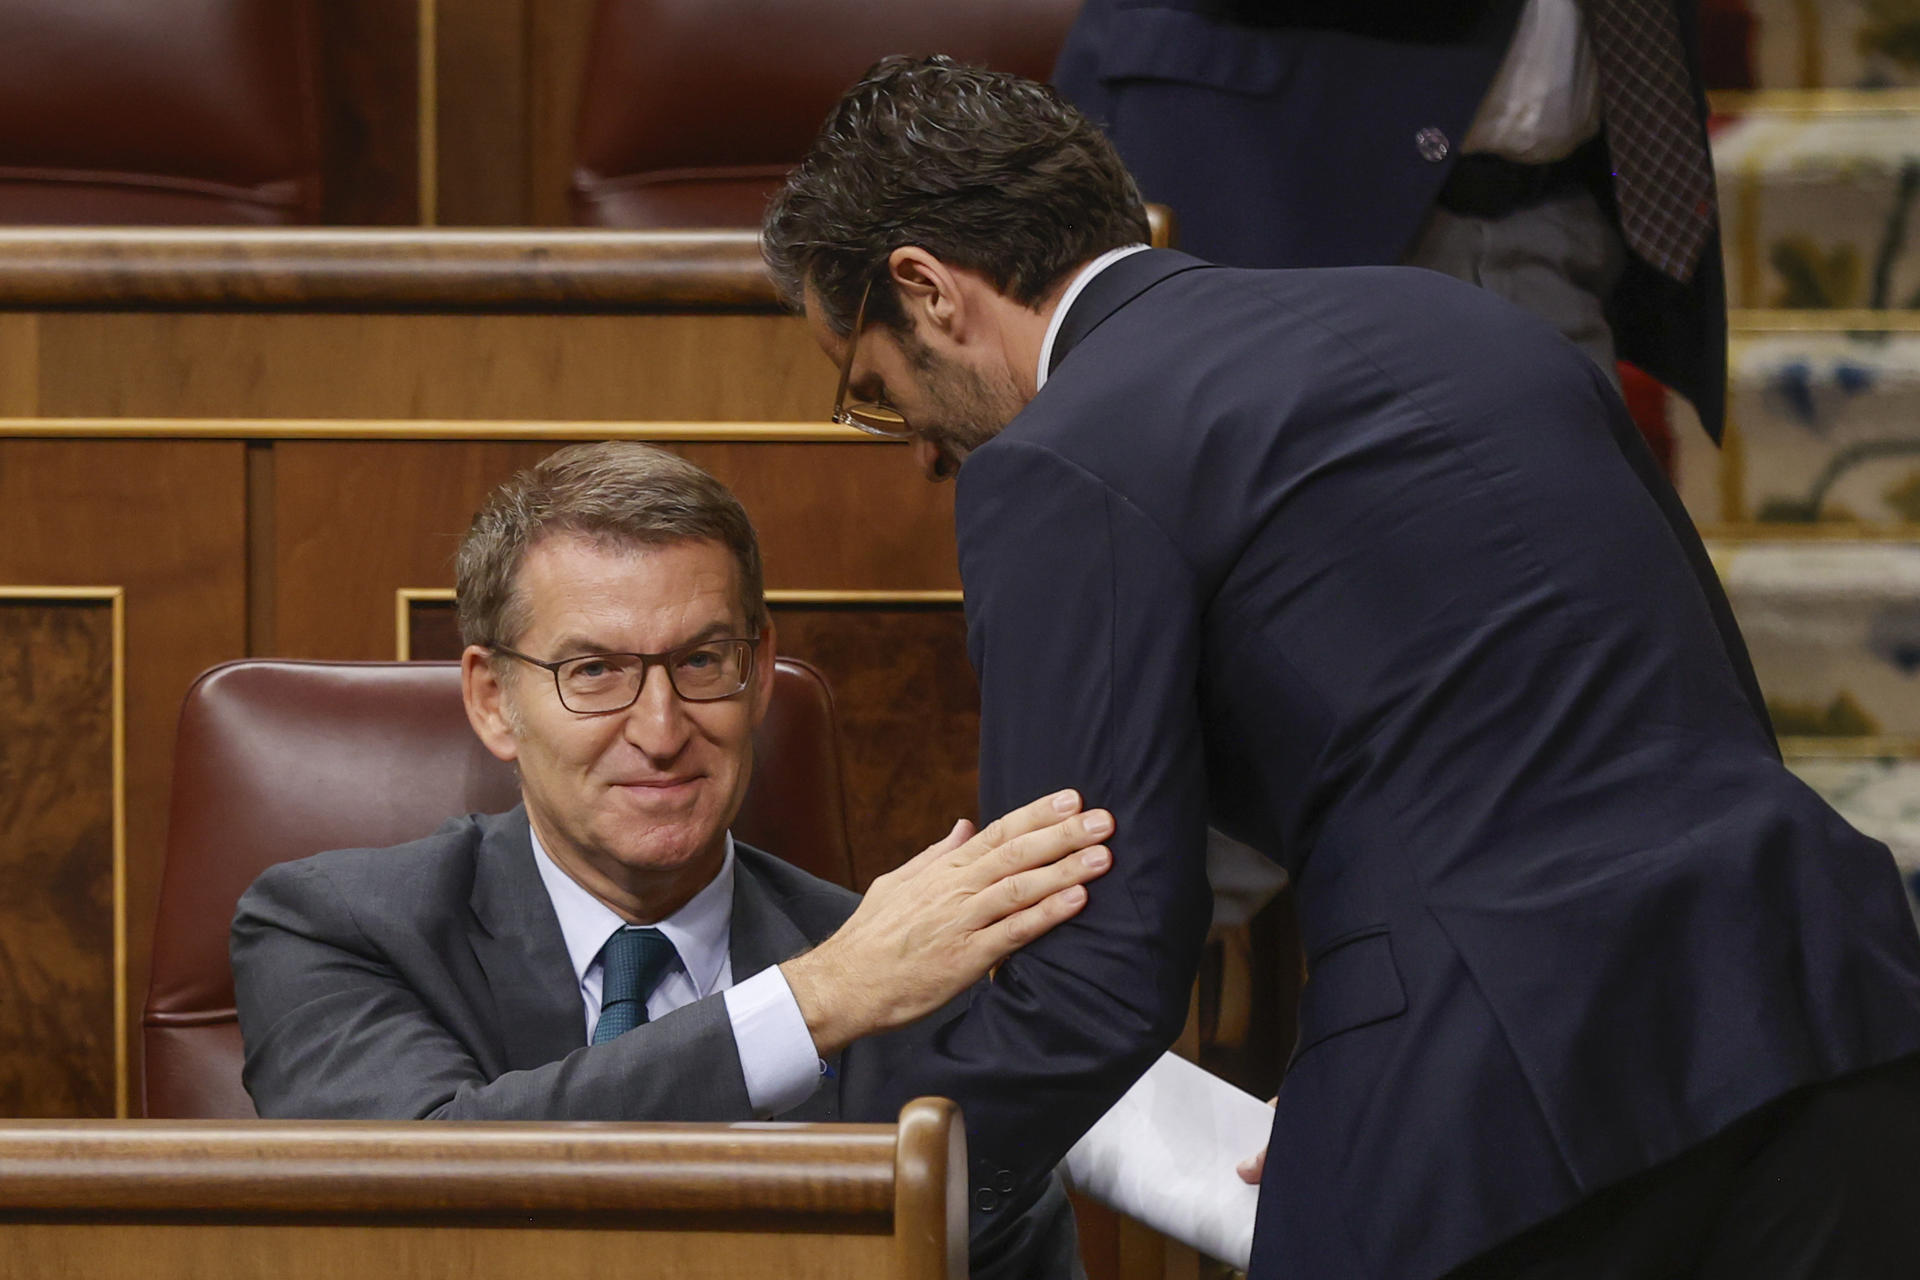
column 633, row 962
column 1662, row 174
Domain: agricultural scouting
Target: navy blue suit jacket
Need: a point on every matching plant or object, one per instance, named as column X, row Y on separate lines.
column 1282, row 134
column 1369, row 569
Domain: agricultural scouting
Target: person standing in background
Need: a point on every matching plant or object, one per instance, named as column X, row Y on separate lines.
column 1552, row 151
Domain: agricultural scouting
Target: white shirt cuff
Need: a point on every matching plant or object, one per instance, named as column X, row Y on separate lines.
column 776, row 1049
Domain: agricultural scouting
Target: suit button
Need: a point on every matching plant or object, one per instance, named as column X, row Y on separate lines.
column 1432, row 144
column 984, row 1200
column 1003, row 1182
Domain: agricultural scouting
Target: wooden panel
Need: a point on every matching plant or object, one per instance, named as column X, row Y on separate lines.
column 370, row 157
column 236, row 365
column 19, row 365
column 433, row 632
column 481, row 112
column 57, row 808
column 165, row 521
column 558, row 36
column 829, row 515
column 909, row 721
column 353, row 1252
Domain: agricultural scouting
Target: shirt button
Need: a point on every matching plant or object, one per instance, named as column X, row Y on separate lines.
column 1432, row 144
column 1003, row 1182
column 984, row 1200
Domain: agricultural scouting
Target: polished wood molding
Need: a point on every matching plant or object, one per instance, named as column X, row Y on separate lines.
column 403, row 601
column 930, row 1190
column 115, row 598
column 376, row 269
column 1161, row 226
column 400, row 269
column 430, row 429
column 580, row 1172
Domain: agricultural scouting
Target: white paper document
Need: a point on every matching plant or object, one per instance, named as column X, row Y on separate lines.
column 1166, row 1155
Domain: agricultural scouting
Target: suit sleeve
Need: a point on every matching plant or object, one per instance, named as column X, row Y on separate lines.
column 333, row 1032
column 1083, row 623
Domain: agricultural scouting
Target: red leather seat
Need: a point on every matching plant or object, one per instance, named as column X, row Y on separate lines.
column 278, row 760
column 693, row 110
column 161, row 112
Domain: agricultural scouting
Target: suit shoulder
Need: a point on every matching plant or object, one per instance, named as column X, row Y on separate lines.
column 808, row 899
column 433, row 870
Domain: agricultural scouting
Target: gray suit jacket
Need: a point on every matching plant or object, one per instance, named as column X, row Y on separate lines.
column 431, row 981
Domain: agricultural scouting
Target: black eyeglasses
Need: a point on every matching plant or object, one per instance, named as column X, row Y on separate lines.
column 596, row 683
column 865, row 415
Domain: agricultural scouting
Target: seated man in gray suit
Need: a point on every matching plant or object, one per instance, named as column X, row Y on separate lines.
column 607, row 951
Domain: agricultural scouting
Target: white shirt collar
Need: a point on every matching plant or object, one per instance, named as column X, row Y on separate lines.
column 700, row 930
column 1081, row 281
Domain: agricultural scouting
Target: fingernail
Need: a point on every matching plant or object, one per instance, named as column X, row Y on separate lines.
column 1065, row 802
column 1074, row 896
column 1097, row 823
column 1096, row 859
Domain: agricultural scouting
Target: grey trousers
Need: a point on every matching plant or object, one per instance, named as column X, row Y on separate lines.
column 1559, row 259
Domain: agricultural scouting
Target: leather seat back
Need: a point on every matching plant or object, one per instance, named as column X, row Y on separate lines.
column 693, row 110
column 159, row 112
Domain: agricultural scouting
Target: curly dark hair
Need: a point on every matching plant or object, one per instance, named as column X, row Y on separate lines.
column 983, row 169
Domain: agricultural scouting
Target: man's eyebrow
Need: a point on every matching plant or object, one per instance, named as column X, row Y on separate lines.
column 577, row 646
column 712, row 631
column 574, row 646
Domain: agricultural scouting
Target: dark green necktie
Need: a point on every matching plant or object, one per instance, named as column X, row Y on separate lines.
column 632, row 964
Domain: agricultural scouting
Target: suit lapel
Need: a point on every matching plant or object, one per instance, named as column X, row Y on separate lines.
column 516, row 938
column 1112, row 289
column 763, row 934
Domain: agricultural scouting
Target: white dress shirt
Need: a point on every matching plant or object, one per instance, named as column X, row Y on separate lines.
column 1545, row 99
column 1080, row 282
column 776, row 1050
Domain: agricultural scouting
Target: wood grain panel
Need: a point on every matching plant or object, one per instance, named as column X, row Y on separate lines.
column 909, row 720
column 829, row 515
column 558, row 33
column 237, row 365
column 369, row 149
column 165, row 521
column 482, row 112
column 433, row 632
column 19, row 365
column 356, row 1251
column 57, row 1047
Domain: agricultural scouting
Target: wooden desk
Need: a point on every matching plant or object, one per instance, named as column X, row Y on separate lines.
column 201, row 1201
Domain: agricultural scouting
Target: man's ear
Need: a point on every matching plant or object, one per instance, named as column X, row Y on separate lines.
column 928, row 289
column 485, row 698
column 760, row 692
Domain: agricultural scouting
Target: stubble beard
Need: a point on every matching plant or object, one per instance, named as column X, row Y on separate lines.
column 973, row 408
